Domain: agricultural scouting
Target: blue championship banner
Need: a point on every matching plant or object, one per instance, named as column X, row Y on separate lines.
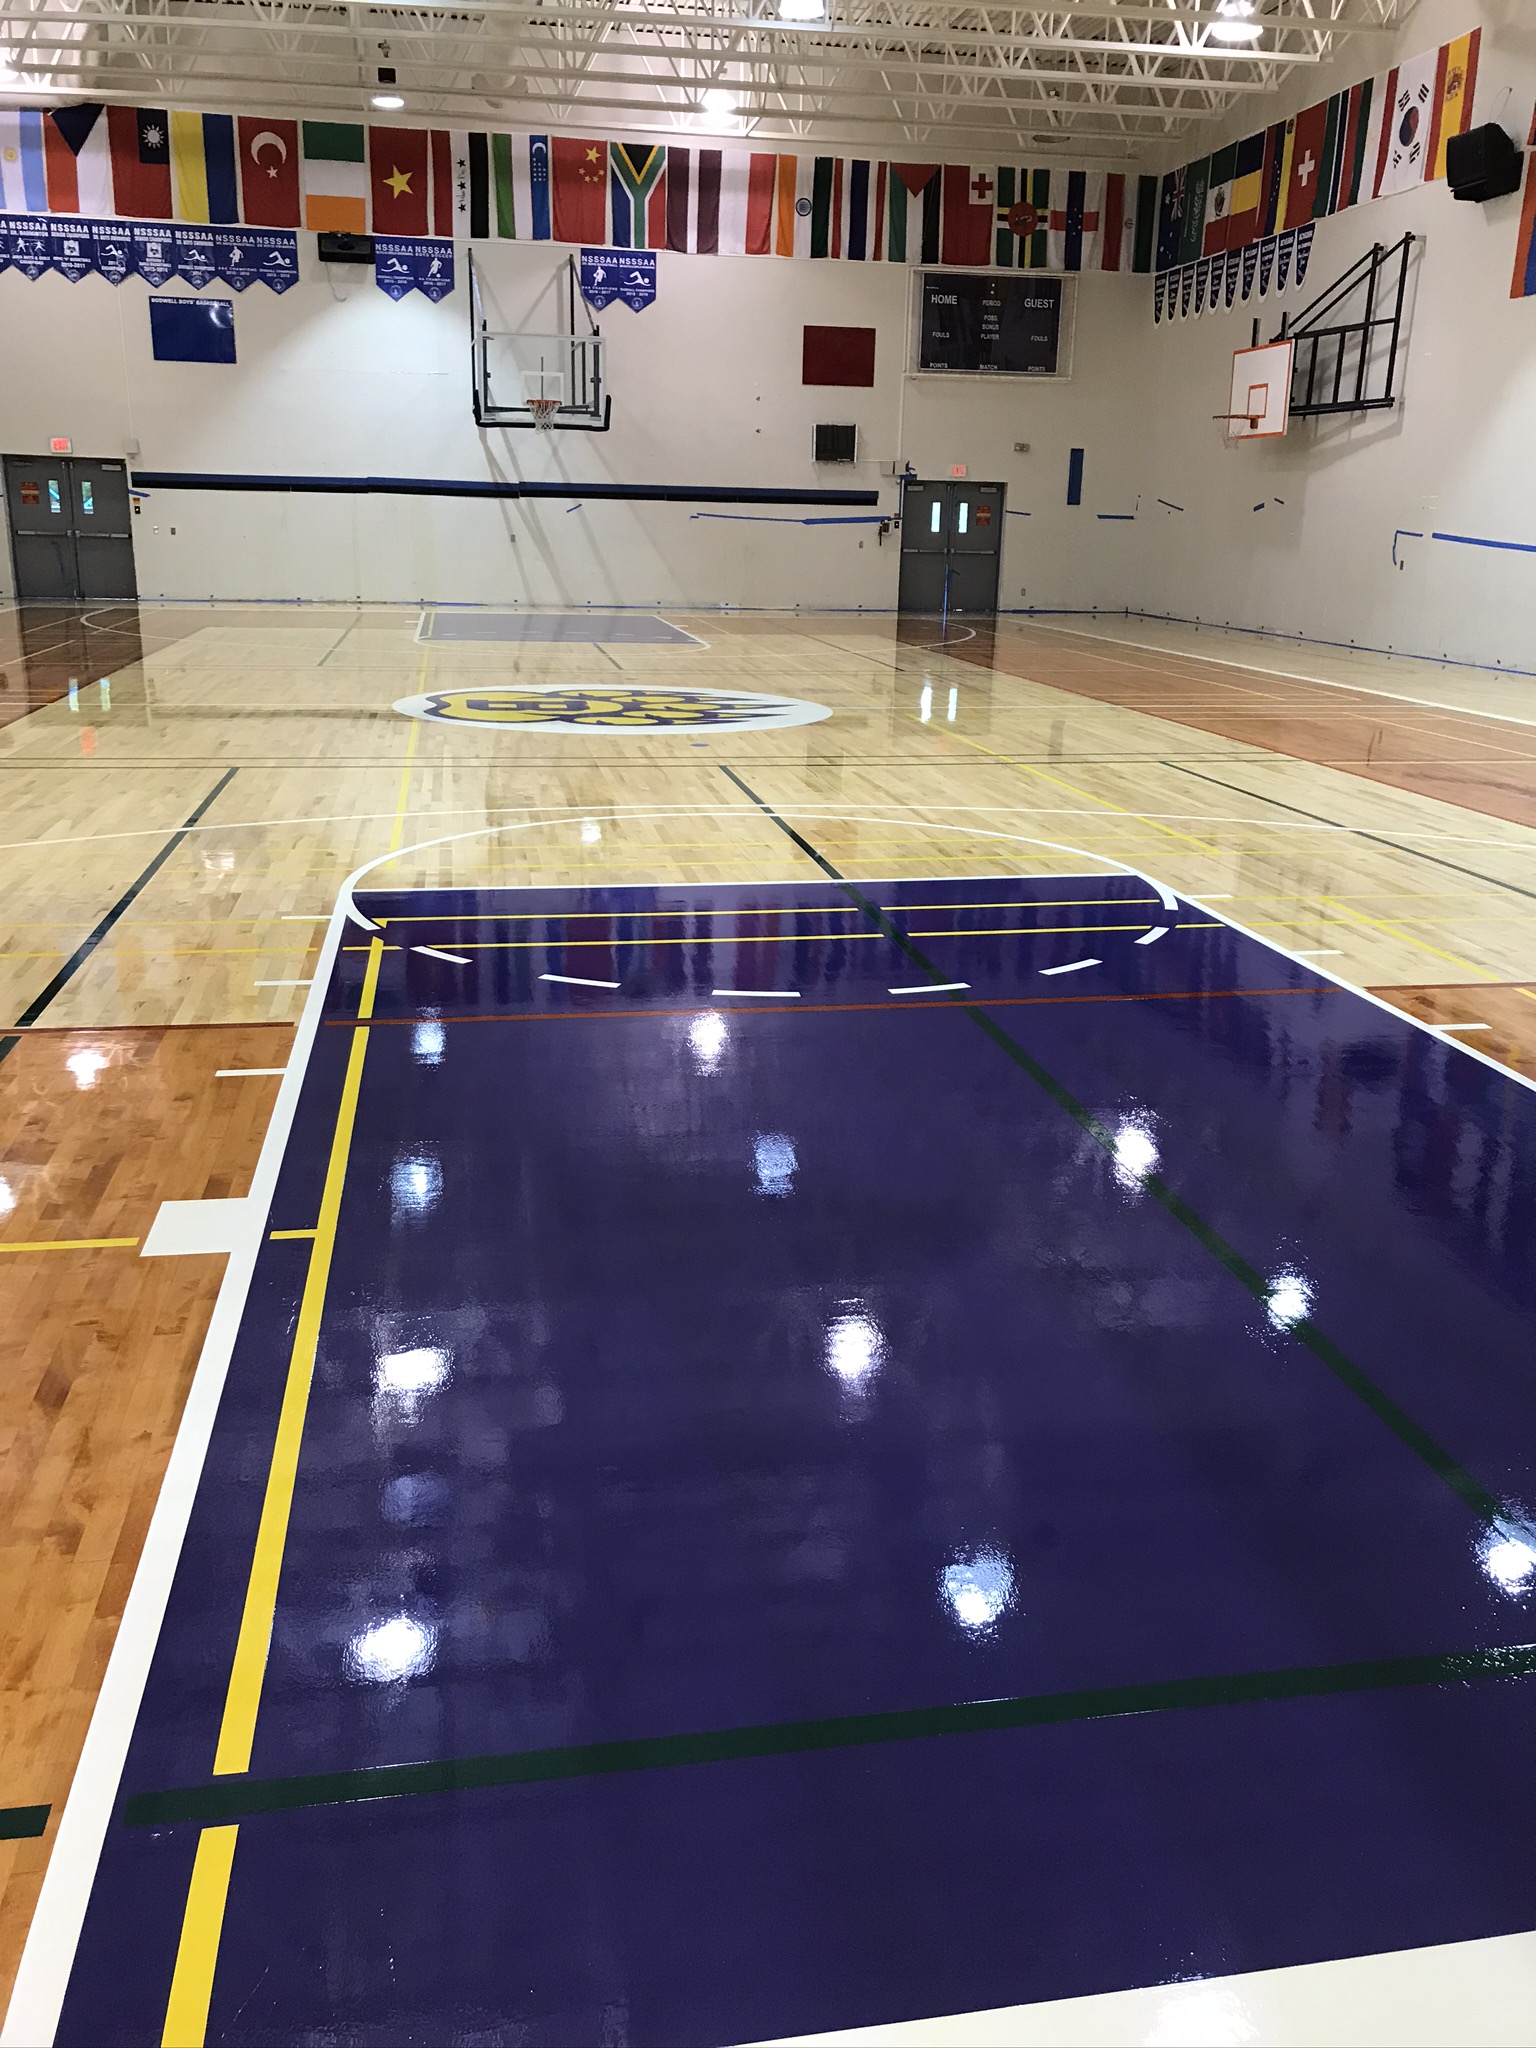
column 154, row 250
column 412, row 263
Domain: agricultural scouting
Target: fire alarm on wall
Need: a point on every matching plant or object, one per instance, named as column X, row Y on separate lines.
column 60, row 445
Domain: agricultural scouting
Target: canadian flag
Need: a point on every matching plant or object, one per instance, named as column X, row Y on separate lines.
column 970, row 213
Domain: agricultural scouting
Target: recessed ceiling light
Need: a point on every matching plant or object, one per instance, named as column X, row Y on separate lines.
column 1234, row 25
column 718, row 101
column 387, row 102
column 802, row 10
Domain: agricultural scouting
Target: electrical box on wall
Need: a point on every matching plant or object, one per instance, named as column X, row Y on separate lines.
column 837, row 444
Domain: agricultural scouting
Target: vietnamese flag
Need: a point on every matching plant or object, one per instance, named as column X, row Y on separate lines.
column 268, row 154
column 578, row 176
column 139, row 141
column 397, row 164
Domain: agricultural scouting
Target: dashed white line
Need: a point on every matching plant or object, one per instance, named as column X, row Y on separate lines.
column 1150, row 938
column 1072, row 967
column 453, row 959
column 787, row 994
column 580, row 981
column 928, row 988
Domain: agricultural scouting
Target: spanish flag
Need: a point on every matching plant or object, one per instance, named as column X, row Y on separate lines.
column 1455, row 84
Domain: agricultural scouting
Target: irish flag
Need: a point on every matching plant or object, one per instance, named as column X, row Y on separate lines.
column 335, row 178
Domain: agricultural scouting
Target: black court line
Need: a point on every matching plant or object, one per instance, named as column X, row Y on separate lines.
column 1485, row 1505
column 88, row 945
column 234, row 1799
column 23, row 1823
column 1355, row 832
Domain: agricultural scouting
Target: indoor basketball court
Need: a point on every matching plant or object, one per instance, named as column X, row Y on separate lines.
column 768, row 938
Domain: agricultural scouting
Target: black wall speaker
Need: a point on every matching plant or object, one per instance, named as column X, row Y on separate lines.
column 1482, row 164
column 837, row 444
column 338, row 248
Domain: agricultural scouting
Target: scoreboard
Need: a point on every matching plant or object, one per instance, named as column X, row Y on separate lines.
column 989, row 324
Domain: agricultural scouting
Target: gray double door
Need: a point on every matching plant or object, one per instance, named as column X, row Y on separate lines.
column 71, row 528
column 951, row 547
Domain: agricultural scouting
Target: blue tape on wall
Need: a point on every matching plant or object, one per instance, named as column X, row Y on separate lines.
column 1467, row 540
column 448, row 487
column 1075, row 477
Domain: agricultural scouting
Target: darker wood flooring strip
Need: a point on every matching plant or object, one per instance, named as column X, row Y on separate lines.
column 125, row 902
column 23, row 1823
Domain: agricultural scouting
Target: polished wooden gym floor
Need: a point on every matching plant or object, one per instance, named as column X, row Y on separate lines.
column 184, row 790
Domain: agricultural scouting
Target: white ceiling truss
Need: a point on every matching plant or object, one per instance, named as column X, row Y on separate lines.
column 1094, row 80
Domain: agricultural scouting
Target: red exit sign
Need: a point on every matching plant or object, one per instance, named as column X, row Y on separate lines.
column 61, row 445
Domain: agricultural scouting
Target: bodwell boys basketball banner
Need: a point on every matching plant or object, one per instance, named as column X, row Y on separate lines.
column 216, row 171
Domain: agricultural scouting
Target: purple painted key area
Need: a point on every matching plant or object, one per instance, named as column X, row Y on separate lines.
column 695, row 1362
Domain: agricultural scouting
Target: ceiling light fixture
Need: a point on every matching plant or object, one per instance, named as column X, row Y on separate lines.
column 718, row 101
column 387, row 102
column 1234, row 25
column 802, row 10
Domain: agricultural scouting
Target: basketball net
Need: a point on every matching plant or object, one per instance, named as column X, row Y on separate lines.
column 543, row 412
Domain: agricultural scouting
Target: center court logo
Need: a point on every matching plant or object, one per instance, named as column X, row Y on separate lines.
column 558, row 709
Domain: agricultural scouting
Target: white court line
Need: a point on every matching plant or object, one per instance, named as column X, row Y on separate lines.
column 1288, row 674
column 928, row 988
column 244, row 1073
column 288, row 981
column 1150, row 938
column 453, row 959
column 577, row 980
column 1461, row 1027
column 789, row 994
column 48, row 1958
column 1072, row 967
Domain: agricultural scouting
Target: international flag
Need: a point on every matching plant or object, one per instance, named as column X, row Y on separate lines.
column 1197, row 179
column 1170, row 219
column 398, row 160
column 1350, row 158
column 335, row 177
column 1277, row 142
column 23, row 171
column 1308, row 167
column 637, row 180
column 204, row 187
column 829, row 201
column 440, row 151
column 970, row 205
column 1130, row 222
column 1455, row 84
column 1023, row 226
column 268, row 155
column 480, row 179
column 856, row 211
column 1524, row 285
column 1247, row 191
column 578, row 177
column 538, row 188
column 1218, row 201
column 1077, row 222
column 913, row 213
column 77, row 160
column 1409, row 116
column 139, row 139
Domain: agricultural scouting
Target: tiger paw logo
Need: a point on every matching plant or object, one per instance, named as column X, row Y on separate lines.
column 641, row 710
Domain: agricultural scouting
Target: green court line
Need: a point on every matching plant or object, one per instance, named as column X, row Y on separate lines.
column 23, row 1823
column 1485, row 1505
column 234, row 1799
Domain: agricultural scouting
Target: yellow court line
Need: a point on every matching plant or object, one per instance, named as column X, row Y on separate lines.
column 186, row 2017
column 74, row 1244
column 186, row 2012
column 291, row 1233
column 1407, row 939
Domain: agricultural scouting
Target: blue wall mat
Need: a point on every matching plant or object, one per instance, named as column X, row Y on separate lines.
column 192, row 330
column 1075, row 477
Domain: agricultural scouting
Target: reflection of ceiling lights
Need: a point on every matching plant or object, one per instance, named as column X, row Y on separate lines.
column 392, row 1650
column 1509, row 1560
column 718, row 101
column 802, row 10
column 1289, row 1300
column 1235, row 25
column 978, row 1589
column 854, row 1348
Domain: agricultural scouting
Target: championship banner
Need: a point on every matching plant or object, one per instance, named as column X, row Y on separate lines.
column 72, row 248
column 154, row 250
column 195, row 263
column 409, row 263
column 629, row 275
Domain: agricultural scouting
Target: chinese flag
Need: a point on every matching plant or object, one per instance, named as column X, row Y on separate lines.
column 269, row 172
column 397, row 162
column 579, row 178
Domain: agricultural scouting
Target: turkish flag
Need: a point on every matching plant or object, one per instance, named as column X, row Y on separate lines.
column 1306, row 164
column 397, row 162
column 578, row 176
column 269, row 172
column 970, row 209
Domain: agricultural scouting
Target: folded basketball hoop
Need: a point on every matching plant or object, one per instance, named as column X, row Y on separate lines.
column 542, row 412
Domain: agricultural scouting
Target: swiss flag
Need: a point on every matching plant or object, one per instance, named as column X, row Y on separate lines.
column 1306, row 165
column 970, row 209
column 397, row 164
column 578, row 174
column 269, row 172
